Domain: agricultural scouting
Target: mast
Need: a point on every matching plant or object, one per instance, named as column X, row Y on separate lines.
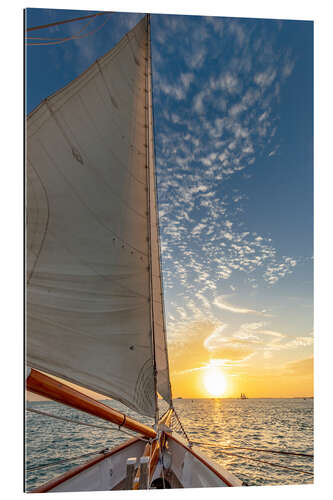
column 150, row 155
column 160, row 356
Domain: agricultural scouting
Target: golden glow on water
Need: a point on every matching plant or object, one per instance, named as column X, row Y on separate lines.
column 214, row 380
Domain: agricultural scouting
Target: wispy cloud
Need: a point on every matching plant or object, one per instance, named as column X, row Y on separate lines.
column 222, row 304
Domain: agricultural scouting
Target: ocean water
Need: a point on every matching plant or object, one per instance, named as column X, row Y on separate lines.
column 215, row 425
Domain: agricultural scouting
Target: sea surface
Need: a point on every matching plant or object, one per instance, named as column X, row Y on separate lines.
column 215, row 425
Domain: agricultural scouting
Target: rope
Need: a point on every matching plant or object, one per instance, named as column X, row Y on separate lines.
column 144, row 439
column 71, row 459
column 180, row 427
column 79, row 422
column 268, row 451
column 150, row 455
column 282, row 452
column 84, row 27
column 161, row 459
column 66, row 21
column 71, row 37
column 265, row 462
column 165, row 413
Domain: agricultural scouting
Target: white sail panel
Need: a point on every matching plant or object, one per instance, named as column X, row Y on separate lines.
column 89, row 307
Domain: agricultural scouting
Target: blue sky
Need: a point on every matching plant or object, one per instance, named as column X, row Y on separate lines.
column 233, row 116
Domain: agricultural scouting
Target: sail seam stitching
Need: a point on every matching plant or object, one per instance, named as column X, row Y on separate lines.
column 46, row 225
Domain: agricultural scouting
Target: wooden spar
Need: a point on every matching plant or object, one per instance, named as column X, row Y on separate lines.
column 166, row 419
column 51, row 388
column 151, row 451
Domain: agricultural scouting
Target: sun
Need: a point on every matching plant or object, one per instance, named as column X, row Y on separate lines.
column 215, row 381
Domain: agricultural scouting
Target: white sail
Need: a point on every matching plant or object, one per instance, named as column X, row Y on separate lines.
column 94, row 304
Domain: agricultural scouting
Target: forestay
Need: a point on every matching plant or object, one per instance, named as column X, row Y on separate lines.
column 94, row 295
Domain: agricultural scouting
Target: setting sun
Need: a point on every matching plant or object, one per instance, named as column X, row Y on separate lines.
column 215, row 381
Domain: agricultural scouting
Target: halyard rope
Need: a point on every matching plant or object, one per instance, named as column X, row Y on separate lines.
column 73, row 37
column 66, row 21
column 83, row 28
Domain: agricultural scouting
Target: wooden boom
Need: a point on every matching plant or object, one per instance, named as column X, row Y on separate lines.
column 51, row 388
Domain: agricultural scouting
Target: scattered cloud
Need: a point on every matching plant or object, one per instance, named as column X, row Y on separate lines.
column 266, row 78
column 222, row 304
column 226, row 348
column 214, row 123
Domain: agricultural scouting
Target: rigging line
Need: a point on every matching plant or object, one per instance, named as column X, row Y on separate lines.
column 79, row 422
column 164, row 413
column 84, row 27
column 268, row 451
column 64, row 460
column 274, row 464
column 182, row 428
column 66, row 419
column 67, row 21
column 72, row 37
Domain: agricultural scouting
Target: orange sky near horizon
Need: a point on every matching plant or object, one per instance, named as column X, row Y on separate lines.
column 272, row 370
column 266, row 369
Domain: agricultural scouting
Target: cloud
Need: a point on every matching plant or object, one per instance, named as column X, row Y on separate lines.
column 288, row 68
column 178, row 89
column 266, row 78
column 222, row 304
column 225, row 347
column 303, row 367
column 278, row 335
column 196, row 58
column 227, row 81
column 202, row 141
column 304, row 341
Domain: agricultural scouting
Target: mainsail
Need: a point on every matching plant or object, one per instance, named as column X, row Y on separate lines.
column 94, row 294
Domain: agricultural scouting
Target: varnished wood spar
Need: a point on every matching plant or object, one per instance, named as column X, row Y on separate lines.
column 53, row 389
column 166, row 419
column 152, row 451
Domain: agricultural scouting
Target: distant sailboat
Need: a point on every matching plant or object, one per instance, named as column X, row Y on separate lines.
column 243, row 396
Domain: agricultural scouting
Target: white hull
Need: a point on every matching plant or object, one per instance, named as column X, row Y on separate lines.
column 179, row 466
